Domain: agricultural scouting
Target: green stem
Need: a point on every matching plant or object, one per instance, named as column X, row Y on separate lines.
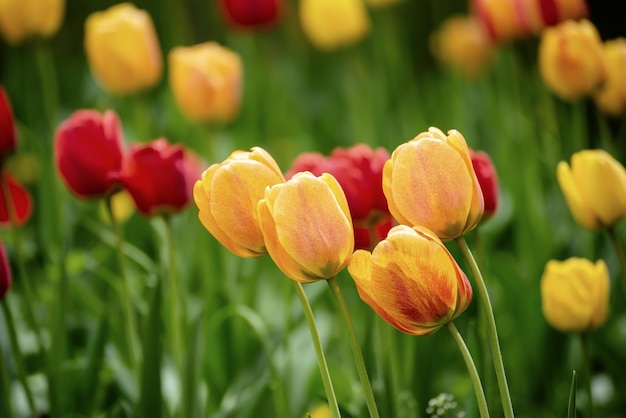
column 492, row 333
column 584, row 344
column 471, row 368
column 356, row 348
column 6, row 386
column 319, row 351
column 129, row 323
column 619, row 251
column 19, row 359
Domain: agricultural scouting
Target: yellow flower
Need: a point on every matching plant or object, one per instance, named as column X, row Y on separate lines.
column 571, row 61
column 594, row 188
column 21, row 19
column 307, row 227
column 575, row 294
column 122, row 205
column 123, row 49
column 227, row 196
column 332, row 24
column 611, row 97
column 411, row 280
column 320, row 411
column 430, row 181
column 206, row 81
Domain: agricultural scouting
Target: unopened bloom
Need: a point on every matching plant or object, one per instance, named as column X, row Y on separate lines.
column 8, row 138
column 206, row 80
column 88, row 153
column 17, row 210
column 359, row 171
column 411, row 280
column 611, row 97
column 575, row 294
column 332, row 24
column 430, row 181
column 123, row 49
column 488, row 179
column 5, row 272
column 594, row 187
column 251, row 13
column 159, row 177
column 22, row 19
column 571, row 61
column 307, row 227
column 227, row 196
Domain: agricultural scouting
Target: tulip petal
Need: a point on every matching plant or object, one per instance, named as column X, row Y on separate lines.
column 581, row 212
column 21, row 202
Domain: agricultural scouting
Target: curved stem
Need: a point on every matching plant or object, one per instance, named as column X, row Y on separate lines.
column 356, row 348
column 6, row 386
column 471, row 368
column 492, row 333
column 584, row 343
column 317, row 343
column 619, row 251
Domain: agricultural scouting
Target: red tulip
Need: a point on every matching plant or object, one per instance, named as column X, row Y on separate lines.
column 251, row 13
column 160, row 176
column 88, row 153
column 5, row 272
column 488, row 180
column 20, row 200
column 359, row 172
column 8, row 140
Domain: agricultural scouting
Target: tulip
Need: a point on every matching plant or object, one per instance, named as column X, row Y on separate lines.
column 251, row 13
column 307, row 227
column 555, row 11
column 5, row 272
column 22, row 19
column 571, row 61
column 575, row 294
column 505, row 20
column 594, row 188
column 488, row 180
column 332, row 24
column 8, row 138
column 206, row 81
column 611, row 97
column 227, row 196
column 411, row 280
column 159, row 177
column 123, row 49
column 359, row 172
column 430, row 181
column 17, row 210
column 88, row 153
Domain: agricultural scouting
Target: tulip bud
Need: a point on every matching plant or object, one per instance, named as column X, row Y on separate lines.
column 206, row 81
column 571, row 61
column 430, row 181
column 307, row 227
column 575, row 294
column 488, row 180
column 227, row 196
column 18, row 209
column 88, row 153
column 411, row 280
column 22, row 19
column 332, row 24
column 611, row 97
column 251, row 13
column 8, row 139
column 5, row 272
column 594, row 188
column 123, row 49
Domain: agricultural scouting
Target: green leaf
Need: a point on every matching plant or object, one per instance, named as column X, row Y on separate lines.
column 571, row 407
column 150, row 398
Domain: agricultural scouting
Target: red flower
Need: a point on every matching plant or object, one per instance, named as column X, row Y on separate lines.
column 88, row 152
column 5, row 272
column 488, row 180
column 251, row 13
column 20, row 200
column 160, row 176
column 8, row 140
column 359, row 172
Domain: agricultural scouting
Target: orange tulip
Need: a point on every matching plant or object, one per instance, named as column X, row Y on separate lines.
column 430, row 181
column 307, row 227
column 611, row 97
column 227, row 196
column 411, row 280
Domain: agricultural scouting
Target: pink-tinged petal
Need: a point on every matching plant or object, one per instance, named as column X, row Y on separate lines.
column 21, row 205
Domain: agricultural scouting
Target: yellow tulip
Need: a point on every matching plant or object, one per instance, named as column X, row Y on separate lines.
column 21, row 19
column 123, row 49
column 307, row 227
column 611, row 97
column 411, row 280
column 320, row 411
column 430, row 181
column 206, row 80
column 575, row 294
column 594, row 188
column 332, row 24
column 571, row 61
column 227, row 196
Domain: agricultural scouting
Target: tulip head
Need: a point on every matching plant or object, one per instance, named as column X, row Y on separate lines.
column 555, row 11
column 575, row 294
column 594, row 187
column 88, row 153
column 123, row 49
column 17, row 210
column 8, row 138
column 488, row 179
column 430, row 181
column 411, row 280
column 307, row 227
column 250, row 14
column 571, row 61
column 5, row 272
column 227, row 196
column 22, row 19
column 611, row 97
